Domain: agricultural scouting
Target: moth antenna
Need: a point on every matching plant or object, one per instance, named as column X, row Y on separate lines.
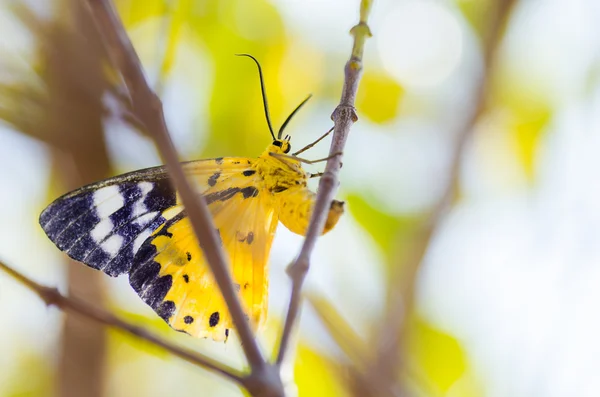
column 264, row 94
column 285, row 123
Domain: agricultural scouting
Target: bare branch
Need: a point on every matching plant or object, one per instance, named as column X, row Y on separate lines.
column 343, row 117
column 51, row 296
column 402, row 293
column 147, row 108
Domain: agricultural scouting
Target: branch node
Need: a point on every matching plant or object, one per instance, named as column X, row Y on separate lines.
column 361, row 29
column 344, row 112
column 264, row 381
column 329, row 180
column 297, row 270
column 50, row 295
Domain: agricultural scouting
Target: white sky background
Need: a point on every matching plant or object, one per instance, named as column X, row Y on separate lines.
column 514, row 271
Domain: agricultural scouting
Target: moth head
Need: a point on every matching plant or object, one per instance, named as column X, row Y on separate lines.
column 282, row 145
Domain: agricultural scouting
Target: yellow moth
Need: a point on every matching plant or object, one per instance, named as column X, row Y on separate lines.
column 135, row 224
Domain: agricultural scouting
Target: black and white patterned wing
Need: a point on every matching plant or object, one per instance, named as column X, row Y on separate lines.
column 104, row 224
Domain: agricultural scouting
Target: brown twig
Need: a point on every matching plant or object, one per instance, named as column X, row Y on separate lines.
column 51, row 296
column 402, row 287
column 147, row 108
column 343, row 117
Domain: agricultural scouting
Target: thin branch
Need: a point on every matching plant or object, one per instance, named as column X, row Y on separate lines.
column 51, row 296
column 402, row 287
column 343, row 117
column 147, row 108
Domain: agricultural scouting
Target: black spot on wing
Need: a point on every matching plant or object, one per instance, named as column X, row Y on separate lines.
column 189, row 256
column 249, row 191
column 219, row 160
column 188, row 319
column 279, row 189
column 249, row 172
column 221, row 195
column 248, row 238
column 186, row 278
column 214, row 319
column 166, row 310
column 212, row 181
column 226, row 194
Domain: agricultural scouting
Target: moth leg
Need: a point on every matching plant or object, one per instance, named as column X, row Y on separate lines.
column 282, row 156
column 316, row 175
column 305, row 148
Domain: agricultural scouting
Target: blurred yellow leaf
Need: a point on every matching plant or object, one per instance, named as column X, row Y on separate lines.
column 528, row 109
column 30, row 376
column 388, row 231
column 527, row 131
column 378, row 97
column 316, row 375
column 437, row 355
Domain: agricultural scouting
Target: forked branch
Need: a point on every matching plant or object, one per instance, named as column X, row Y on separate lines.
column 343, row 117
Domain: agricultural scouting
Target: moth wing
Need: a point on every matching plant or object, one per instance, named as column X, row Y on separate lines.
column 104, row 223
column 171, row 275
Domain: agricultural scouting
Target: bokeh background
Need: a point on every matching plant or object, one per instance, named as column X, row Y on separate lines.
column 507, row 296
